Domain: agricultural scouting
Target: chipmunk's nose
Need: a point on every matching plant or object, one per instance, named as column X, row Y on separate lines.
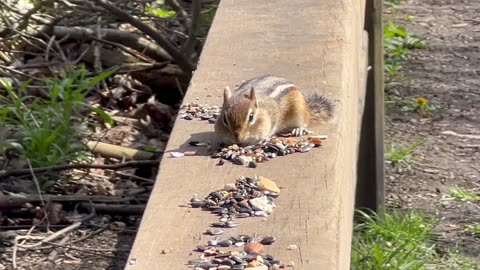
column 237, row 135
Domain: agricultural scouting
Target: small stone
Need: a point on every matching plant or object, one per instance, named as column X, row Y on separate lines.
column 315, row 140
column 212, row 120
column 254, row 248
column 291, row 141
column 262, row 204
column 268, row 184
column 166, row 251
column 215, row 232
column 176, row 154
column 292, row 247
column 190, row 153
column 234, row 147
column 225, row 243
column 210, row 252
column 230, row 187
column 240, row 160
column 252, row 164
column 268, row 240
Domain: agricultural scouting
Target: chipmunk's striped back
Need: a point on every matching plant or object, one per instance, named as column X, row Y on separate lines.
column 267, row 86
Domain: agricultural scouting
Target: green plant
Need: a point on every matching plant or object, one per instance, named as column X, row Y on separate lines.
column 453, row 260
column 461, row 194
column 398, row 42
column 161, row 12
column 206, row 17
column 402, row 156
column 420, row 105
column 473, row 228
column 45, row 128
column 392, row 240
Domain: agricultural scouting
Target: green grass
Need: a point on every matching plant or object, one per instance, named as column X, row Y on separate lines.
column 473, row 228
column 401, row 155
column 398, row 43
column 45, row 128
column 395, row 240
column 392, row 241
column 461, row 194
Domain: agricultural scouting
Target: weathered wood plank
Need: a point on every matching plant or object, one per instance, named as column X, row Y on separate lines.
column 370, row 189
column 314, row 43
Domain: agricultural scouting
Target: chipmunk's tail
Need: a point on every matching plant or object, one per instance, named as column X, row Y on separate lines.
column 321, row 108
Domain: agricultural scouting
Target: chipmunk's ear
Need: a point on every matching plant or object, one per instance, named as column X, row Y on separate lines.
column 227, row 94
column 253, row 96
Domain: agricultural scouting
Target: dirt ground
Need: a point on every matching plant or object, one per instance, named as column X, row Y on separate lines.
column 447, row 74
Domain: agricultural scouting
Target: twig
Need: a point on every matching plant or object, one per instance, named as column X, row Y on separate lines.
column 97, row 63
column 26, row 17
column 19, row 72
column 14, row 254
column 138, row 178
column 123, row 48
column 130, row 40
column 181, row 59
column 53, row 254
column 194, row 24
column 118, row 166
column 37, row 184
column 96, row 251
column 102, row 229
column 57, row 234
column 118, row 151
column 47, row 239
column 16, row 200
column 116, row 209
column 24, row 20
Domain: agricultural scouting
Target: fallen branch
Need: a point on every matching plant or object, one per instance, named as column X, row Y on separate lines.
column 115, row 209
column 194, row 24
column 177, row 56
column 118, row 152
column 53, row 254
column 128, row 164
column 130, row 40
column 16, row 200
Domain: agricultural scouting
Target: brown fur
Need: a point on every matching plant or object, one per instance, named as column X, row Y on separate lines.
column 295, row 110
column 282, row 112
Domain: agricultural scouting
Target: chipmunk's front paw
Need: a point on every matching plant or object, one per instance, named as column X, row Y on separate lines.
column 297, row 132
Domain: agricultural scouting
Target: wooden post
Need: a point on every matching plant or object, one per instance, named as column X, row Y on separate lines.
column 370, row 186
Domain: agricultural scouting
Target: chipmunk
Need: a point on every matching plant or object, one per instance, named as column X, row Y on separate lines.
column 264, row 106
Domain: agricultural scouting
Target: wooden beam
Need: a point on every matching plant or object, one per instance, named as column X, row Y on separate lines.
column 370, row 188
column 317, row 45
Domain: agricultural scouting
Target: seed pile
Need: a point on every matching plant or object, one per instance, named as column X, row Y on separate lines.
column 193, row 110
column 253, row 154
column 252, row 257
column 247, row 197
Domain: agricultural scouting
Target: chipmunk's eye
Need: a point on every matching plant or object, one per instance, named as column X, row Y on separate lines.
column 250, row 117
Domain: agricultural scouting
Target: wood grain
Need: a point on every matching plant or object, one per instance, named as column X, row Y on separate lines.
column 316, row 44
